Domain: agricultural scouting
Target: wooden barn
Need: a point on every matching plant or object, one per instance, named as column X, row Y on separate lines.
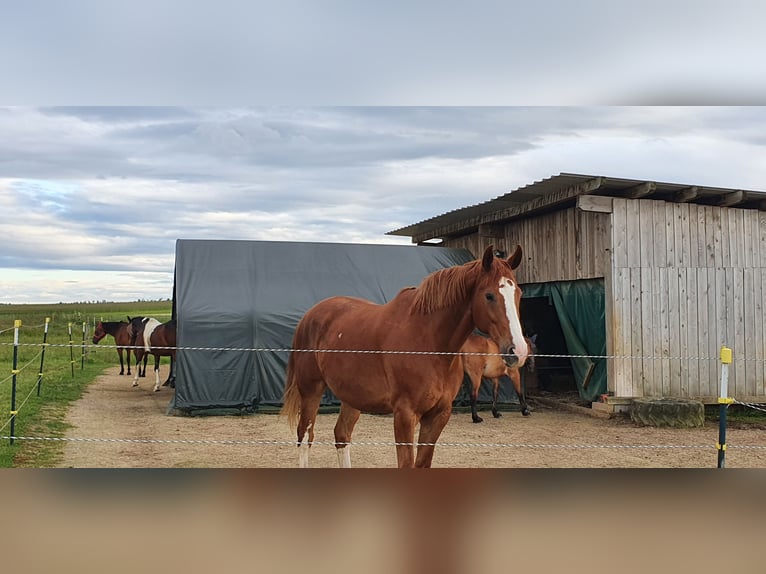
column 654, row 276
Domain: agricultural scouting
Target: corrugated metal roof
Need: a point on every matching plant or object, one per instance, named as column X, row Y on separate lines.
column 542, row 195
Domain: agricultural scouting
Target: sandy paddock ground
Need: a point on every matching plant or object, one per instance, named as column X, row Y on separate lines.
column 112, row 409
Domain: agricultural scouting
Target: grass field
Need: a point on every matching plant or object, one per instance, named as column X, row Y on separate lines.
column 67, row 369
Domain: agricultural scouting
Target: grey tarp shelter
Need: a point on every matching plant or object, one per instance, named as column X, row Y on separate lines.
column 234, row 295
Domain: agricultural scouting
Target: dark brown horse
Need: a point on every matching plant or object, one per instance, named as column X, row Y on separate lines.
column 432, row 321
column 487, row 364
column 150, row 337
column 119, row 330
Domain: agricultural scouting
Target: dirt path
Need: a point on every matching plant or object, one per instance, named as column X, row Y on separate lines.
column 112, row 409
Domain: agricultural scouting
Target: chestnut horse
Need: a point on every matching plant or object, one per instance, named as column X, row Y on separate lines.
column 486, row 363
column 150, row 337
column 119, row 330
column 410, row 368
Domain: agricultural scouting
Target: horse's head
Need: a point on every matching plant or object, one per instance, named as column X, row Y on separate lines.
column 495, row 305
column 99, row 333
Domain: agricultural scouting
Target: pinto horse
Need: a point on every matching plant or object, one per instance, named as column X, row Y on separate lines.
column 150, row 337
column 121, row 333
column 485, row 362
column 415, row 339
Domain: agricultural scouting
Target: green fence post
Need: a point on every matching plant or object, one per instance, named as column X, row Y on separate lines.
column 42, row 356
column 723, row 401
column 14, row 372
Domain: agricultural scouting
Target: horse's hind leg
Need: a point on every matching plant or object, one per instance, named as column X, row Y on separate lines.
column 343, row 428
column 475, row 380
column 156, row 373
column 122, row 365
column 431, row 426
column 515, row 376
column 306, row 422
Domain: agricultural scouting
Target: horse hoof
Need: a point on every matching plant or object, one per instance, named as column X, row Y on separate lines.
column 135, row 384
column 497, row 415
column 477, row 419
column 526, row 412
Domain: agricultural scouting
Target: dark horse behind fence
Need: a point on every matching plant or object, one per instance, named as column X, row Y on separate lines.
column 121, row 333
column 412, row 370
column 150, row 337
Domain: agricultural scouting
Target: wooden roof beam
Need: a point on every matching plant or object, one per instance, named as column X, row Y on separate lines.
column 686, row 195
column 732, row 198
column 640, row 190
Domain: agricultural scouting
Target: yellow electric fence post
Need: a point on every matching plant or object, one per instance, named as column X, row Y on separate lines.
column 14, row 372
column 723, row 402
column 71, row 349
column 42, row 355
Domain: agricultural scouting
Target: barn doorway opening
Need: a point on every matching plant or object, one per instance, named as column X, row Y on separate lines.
column 551, row 374
column 569, row 319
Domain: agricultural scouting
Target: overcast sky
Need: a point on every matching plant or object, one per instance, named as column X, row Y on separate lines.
column 93, row 199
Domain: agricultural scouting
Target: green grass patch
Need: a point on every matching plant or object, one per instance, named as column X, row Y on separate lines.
column 67, row 370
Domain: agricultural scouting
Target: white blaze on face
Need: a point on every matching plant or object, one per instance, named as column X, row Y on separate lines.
column 508, row 291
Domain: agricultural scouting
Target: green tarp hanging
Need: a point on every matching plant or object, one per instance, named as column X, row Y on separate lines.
column 581, row 311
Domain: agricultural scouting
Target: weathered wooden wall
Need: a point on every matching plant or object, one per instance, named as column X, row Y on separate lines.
column 685, row 279
column 559, row 246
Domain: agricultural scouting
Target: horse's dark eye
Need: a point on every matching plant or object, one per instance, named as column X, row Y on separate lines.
column 490, row 296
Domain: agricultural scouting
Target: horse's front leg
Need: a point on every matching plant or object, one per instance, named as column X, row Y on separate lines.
column 404, row 434
column 431, row 426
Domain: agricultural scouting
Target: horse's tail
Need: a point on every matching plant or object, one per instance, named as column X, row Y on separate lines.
column 291, row 402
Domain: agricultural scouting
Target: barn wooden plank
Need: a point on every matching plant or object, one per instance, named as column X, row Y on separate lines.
column 674, row 320
column 633, row 234
column 656, row 332
column 708, row 232
column 624, row 386
column 634, row 296
column 658, row 234
column 597, row 203
column 670, row 235
column 572, row 242
column 703, row 331
column 748, row 303
column 684, row 253
column 759, row 291
column 693, row 340
column 645, row 237
column 738, row 326
column 731, row 319
column 611, row 322
column 715, row 232
column 738, row 237
column 694, row 238
column 619, row 233
column 725, row 238
column 683, row 334
column 646, row 331
column 664, row 326
column 762, row 236
column 603, row 246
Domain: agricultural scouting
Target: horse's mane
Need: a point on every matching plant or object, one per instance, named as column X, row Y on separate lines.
column 445, row 287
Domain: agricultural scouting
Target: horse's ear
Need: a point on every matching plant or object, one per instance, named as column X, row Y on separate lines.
column 515, row 259
column 486, row 259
